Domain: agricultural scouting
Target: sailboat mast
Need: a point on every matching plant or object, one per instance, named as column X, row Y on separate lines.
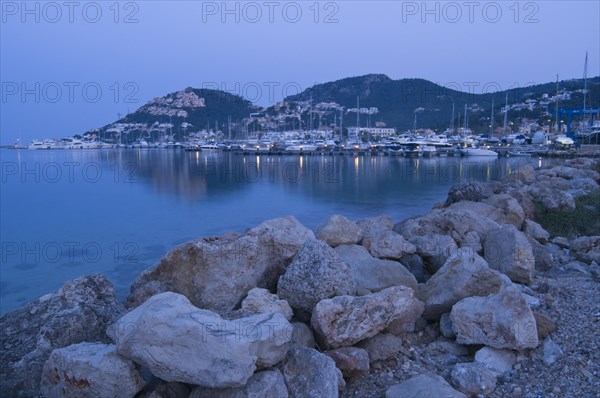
column 357, row 113
column 506, row 114
column 465, row 121
column 452, row 120
column 492, row 120
column 556, row 106
column 585, row 83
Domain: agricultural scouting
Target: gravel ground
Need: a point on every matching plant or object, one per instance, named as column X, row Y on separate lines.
column 570, row 299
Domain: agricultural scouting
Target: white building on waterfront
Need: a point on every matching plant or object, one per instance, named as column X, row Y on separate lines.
column 353, row 132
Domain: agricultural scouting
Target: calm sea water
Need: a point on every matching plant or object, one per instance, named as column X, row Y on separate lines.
column 117, row 212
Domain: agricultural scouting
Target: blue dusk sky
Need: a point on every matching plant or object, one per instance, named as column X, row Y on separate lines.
column 67, row 67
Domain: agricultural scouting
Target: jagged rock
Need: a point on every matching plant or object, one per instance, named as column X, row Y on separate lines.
column 203, row 269
column 440, row 347
column 464, row 274
column 552, row 352
column 382, row 346
column 473, row 241
column 550, row 198
column 501, row 320
column 345, row 320
column 374, row 226
column 434, row 249
column 545, row 325
column 162, row 389
column 510, row 208
column 449, row 221
column 350, row 360
column 179, row 342
column 422, row 386
column 536, row 231
column 526, row 202
column 390, row 245
column 414, row 263
column 525, row 174
column 570, row 173
column 542, row 257
column 586, row 249
column 561, row 242
column 500, row 361
column 446, row 326
column 338, row 230
column 266, row 384
column 308, row 373
column 469, row 190
column 91, row 370
column 261, row 301
column 508, row 251
column 316, row 273
column 473, row 378
column 80, row 311
column 373, row 274
column 302, row 335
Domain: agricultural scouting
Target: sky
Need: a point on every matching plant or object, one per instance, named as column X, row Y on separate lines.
column 67, row 67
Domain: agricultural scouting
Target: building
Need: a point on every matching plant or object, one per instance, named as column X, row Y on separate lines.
column 353, row 132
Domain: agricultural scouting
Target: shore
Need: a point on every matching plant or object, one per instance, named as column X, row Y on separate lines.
column 475, row 297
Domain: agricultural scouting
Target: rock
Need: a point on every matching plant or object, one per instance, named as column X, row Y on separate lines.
column 203, row 269
column 89, row 370
column 473, row 378
column 473, row 241
column 80, row 311
column 532, row 301
column 446, row 326
column 434, row 249
column 338, row 230
column 302, row 335
column 373, row 274
column 340, row 379
column 308, row 373
column 552, row 352
column 179, row 342
column 266, row 384
column 449, row 221
column 577, row 266
column 390, row 245
column 561, row 242
column 373, row 227
column 526, row 202
column 550, row 198
column 350, row 360
column 162, row 389
column 316, row 273
column 508, row 251
column 586, row 249
column 545, row 325
column 441, row 347
column 261, row 301
column 345, row 320
column 382, row 346
column 570, row 173
column 464, row 274
column 536, row 231
column 500, row 361
column 469, row 190
column 422, row 386
column 543, row 260
column 414, row 263
column 501, row 320
column 510, row 208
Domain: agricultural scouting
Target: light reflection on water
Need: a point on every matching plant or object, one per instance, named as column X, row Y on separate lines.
column 134, row 205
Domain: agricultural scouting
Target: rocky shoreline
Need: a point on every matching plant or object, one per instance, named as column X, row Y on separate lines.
column 474, row 298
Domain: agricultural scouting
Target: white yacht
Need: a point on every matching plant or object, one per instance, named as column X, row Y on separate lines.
column 478, row 152
column 301, row 148
column 209, row 147
column 46, row 144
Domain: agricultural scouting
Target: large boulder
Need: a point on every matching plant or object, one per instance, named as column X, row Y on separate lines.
column 586, row 249
column 455, row 222
column 80, row 311
column 434, row 249
column 510, row 208
column 310, row 374
column 465, row 274
column 316, row 273
column 266, row 384
column 179, row 342
column 536, row 231
column 89, row 370
column 382, row 346
column 501, row 320
column 203, row 269
column 422, row 386
column 373, row 227
column 570, row 173
column 373, row 274
column 508, row 251
column 345, row 320
column 390, row 245
column 541, row 253
column 350, row 360
column 550, row 198
column 261, row 301
column 338, row 230
column 473, row 378
column 469, row 190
